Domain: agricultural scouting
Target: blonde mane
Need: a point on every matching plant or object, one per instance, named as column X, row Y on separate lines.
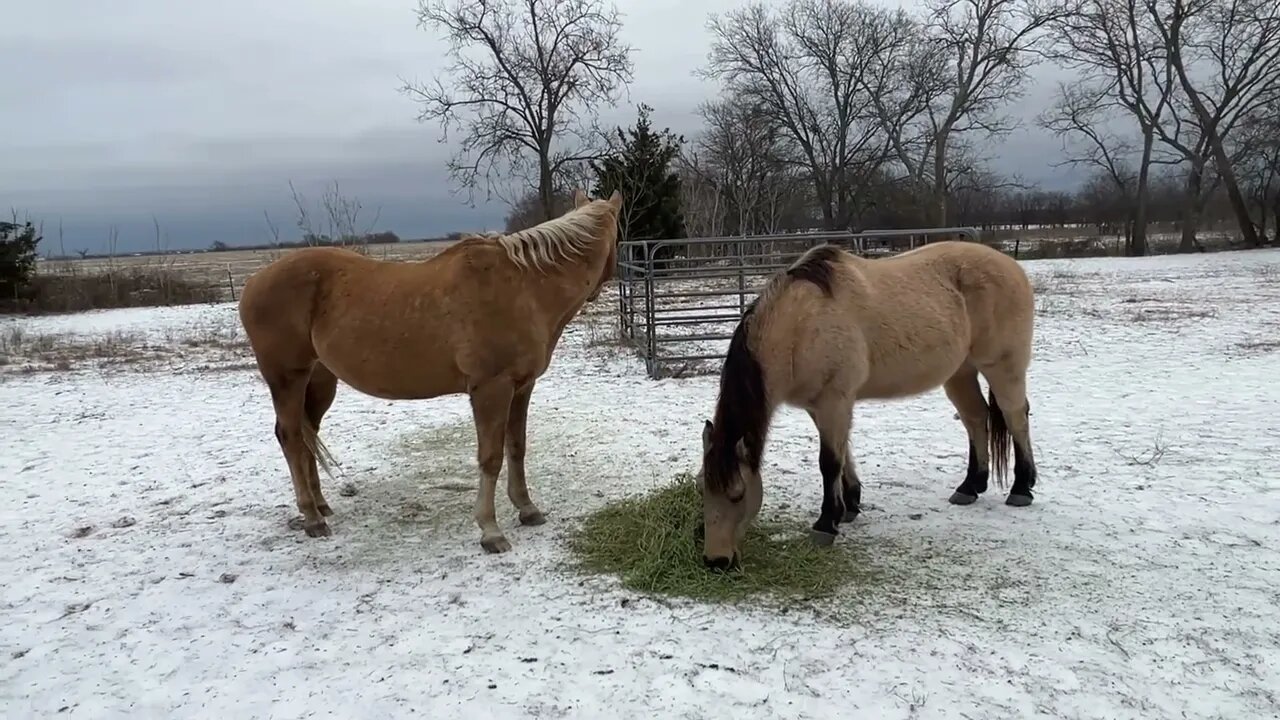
column 557, row 240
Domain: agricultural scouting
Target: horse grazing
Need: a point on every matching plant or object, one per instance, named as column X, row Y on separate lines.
column 482, row 317
column 835, row 328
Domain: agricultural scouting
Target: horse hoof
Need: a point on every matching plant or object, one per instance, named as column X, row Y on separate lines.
column 1017, row 500
column 325, row 510
column 532, row 517
column 849, row 515
column 821, row 538
column 320, row 529
column 959, row 498
column 496, row 544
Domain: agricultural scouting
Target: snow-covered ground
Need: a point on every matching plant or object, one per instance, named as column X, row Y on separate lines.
column 149, row 570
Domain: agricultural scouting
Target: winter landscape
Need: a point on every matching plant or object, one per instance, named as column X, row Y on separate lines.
column 150, row 570
column 157, row 153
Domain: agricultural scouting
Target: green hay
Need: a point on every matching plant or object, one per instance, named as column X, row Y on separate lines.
column 649, row 543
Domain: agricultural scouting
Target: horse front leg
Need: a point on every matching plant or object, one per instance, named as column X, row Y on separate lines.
column 490, row 408
column 850, row 484
column 833, row 419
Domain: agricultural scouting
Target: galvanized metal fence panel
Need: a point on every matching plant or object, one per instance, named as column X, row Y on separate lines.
column 679, row 311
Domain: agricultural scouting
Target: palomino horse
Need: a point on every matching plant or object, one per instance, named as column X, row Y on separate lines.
column 482, row 318
column 833, row 329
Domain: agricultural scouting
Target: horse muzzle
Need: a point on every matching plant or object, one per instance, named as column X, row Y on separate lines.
column 722, row 564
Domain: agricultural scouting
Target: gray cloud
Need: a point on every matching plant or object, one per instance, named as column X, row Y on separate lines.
column 201, row 113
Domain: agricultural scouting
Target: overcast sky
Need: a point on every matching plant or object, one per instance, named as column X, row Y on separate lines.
column 201, row 113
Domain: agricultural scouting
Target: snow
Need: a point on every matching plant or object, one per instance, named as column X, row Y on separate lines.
column 149, row 570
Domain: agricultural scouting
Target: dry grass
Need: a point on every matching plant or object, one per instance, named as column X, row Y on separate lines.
column 649, row 543
column 61, row 288
column 23, row 351
column 223, row 272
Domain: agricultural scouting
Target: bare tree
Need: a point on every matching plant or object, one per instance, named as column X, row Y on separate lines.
column 747, row 154
column 947, row 80
column 526, row 102
column 1123, row 66
column 700, row 197
column 1225, row 56
column 1080, row 114
column 1260, row 166
column 527, row 211
column 806, row 67
column 339, row 216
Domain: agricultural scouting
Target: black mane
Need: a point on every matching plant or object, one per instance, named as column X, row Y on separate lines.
column 741, row 411
column 817, row 266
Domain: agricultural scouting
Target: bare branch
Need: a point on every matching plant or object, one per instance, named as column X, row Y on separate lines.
column 525, row 79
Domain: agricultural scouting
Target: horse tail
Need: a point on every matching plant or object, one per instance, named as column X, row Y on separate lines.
column 998, row 439
column 324, row 458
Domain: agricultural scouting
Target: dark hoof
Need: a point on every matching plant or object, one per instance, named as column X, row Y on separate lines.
column 821, row 538
column 320, row 529
column 532, row 517
column 849, row 515
column 495, row 544
column 1017, row 500
column 960, row 498
column 325, row 510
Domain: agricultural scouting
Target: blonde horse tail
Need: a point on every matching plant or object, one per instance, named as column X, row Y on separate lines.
column 999, row 440
column 323, row 457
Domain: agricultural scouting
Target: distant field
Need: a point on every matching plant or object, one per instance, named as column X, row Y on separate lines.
column 226, row 268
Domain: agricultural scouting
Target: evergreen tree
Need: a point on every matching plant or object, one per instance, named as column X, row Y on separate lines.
column 640, row 167
column 17, row 257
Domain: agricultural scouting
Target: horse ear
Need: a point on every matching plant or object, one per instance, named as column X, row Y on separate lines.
column 707, row 428
column 579, row 198
column 616, row 200
column 741, row 450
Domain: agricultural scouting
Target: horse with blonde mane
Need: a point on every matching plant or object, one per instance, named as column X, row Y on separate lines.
column 834, row 329
column 482, row 317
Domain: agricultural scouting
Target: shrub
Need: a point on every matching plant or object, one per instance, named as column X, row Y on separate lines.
column 69, row 290
column 17, row 259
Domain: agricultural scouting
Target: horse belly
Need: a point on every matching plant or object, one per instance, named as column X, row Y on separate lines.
column 403, row 370
column 903, row 369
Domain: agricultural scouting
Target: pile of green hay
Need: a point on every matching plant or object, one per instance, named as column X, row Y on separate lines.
column 649, row 543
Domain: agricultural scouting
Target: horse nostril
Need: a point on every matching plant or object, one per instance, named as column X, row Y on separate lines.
column 717, row 563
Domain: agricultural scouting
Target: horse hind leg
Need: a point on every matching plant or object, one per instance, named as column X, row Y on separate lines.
column 965, row 394
column 1010, row 419
column 517, row 485
column 288, row 395
column 321, row 389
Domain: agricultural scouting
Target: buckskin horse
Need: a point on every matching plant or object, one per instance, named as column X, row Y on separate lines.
column 833, row 329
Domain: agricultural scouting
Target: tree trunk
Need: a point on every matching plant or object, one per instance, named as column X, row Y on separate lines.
column 1191, row 208
column 1275, row 217
column 1228, row 174
column 1209, row 127
column 546, row 189
column 940, row 180
column 1139, row 244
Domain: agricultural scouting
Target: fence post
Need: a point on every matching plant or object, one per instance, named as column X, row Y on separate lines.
column 651, row 360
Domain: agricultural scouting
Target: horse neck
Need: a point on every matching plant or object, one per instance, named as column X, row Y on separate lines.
column 744, row 409
column 569, row 283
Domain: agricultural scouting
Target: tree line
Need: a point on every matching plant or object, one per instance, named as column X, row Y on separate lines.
column 846, row 114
